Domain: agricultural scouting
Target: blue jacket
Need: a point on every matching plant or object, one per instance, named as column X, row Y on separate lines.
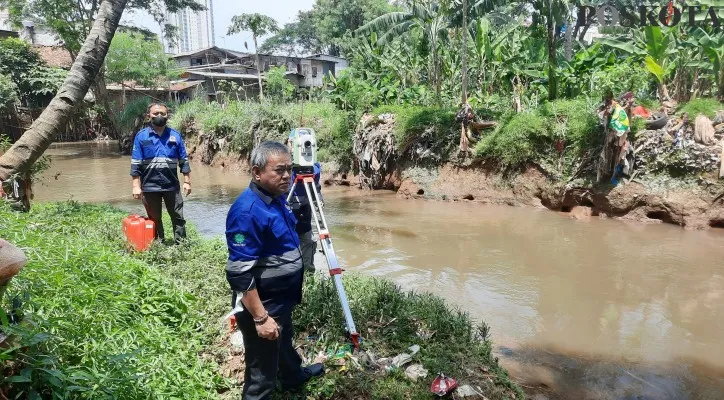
column 264, row 250
column 156, row 159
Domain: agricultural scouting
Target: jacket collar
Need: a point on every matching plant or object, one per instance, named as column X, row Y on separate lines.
column 265, row 196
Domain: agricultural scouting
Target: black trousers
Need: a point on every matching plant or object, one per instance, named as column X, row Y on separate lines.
column 264, row 358
column 174, row 206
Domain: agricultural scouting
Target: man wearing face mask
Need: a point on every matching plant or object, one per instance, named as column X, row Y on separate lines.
column 158, row 153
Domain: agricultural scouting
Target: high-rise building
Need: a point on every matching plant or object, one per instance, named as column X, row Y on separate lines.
column 195, row 29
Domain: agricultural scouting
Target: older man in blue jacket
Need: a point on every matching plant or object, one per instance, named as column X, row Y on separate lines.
column 265, row 270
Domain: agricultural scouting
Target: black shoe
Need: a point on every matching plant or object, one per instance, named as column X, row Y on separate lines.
column 308, row 373
column 313, row 370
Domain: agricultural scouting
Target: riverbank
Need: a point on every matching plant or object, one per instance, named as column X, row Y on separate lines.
column 543, row 158
column 91, row 319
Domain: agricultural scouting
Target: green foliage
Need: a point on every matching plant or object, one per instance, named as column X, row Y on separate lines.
column 708, row 107
column 71, row 20
column 257, row 24
column 573, row 120
column 531, row 136
column 622, row 77
column 98, row 322
column 326, row 27
column 278, row 86
column 390, row 321
column 516, row 142
column 8, row 93
column 240, row 122
column 131, row 57
column 131, row 112
column 434, row 125
column 36, row 83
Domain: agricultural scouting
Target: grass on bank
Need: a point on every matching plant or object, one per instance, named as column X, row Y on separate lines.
column 240, row 121
column 99, row 322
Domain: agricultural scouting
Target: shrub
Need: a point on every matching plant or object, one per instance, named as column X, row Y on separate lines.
column 520, row 140
column 707, row 107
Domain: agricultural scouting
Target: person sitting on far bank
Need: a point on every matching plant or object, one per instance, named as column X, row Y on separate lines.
column 158, row 152
column 265, row 272
column 302, row 208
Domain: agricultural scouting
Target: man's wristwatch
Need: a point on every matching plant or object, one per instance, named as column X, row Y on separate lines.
column 260, row 321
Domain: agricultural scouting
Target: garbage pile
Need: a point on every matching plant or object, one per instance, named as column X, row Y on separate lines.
column 681, row 146
column 374, row 148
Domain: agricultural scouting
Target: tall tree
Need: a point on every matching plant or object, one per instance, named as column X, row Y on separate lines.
column 132, row 57
column 30, row 146
column 327, row 26
column 552, row 14
column 428, row 18
column 258, row 25
column 71, row 21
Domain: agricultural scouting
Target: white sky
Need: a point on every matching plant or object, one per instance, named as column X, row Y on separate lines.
column 283, row 11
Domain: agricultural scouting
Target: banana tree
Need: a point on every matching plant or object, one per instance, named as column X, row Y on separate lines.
column 712, row 45
column 552, row 14
column 429, row 19
column 658, row 49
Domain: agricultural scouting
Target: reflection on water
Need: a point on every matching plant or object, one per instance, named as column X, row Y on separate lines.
column 603, row 309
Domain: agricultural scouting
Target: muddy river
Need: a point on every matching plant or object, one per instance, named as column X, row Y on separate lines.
column 580, row 310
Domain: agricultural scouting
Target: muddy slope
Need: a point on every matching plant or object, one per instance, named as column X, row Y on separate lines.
column 687, row 202
column 695, row 203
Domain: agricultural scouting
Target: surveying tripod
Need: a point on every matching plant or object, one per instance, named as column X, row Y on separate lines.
column 323, row 231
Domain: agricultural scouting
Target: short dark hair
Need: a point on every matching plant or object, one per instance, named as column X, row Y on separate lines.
column 150, row 106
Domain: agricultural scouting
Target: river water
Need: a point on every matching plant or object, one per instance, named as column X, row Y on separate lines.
column 586, row 310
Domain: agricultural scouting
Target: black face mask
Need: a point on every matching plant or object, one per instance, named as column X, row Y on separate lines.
column 159, row 121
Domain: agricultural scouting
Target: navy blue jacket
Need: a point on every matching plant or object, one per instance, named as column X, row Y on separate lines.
column 264, row 250
column 156, row 159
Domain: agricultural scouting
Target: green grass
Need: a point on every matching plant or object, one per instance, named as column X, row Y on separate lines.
column 239, row 121
column 530, row 136
column 99, row 322
column 435, row 126
column 707, row 107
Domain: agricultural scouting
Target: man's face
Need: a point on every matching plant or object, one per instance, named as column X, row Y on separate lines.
column 276, row 176
column 158, row 111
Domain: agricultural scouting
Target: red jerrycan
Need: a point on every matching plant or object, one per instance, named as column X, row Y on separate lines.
column 138, row 231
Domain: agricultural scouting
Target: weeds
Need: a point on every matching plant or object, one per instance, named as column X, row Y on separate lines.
column 88, row 319
column 707, row 107
column 241, row 123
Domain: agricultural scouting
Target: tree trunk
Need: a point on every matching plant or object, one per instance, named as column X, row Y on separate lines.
column 36, row 140
column 552, row 80
column 258, row 70
column 465, row 53
column 720, row 86
column 569, row 41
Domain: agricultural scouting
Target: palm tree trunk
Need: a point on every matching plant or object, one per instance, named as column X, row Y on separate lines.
column 465, row 53
column 36, row 140
column 552, row 80
column 258, row 70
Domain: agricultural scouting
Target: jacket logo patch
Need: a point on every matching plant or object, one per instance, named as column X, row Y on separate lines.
column 239, row 238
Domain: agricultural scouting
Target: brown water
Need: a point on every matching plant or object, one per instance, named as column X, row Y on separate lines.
column 590, row 310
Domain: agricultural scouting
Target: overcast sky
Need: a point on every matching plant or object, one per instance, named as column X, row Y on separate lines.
column 282, row 11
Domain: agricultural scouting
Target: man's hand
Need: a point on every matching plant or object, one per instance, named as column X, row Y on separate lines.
column 136, row 192
column 269, row 330
column 187, row 188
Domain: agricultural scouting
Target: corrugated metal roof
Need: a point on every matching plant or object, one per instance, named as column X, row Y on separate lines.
column 221, row 75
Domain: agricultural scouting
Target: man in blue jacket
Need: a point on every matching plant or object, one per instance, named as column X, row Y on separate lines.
column 265, row 273
column 158, row 153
